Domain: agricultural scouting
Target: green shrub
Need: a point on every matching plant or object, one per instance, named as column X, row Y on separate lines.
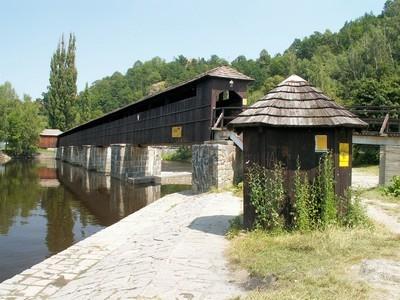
column 315, row 203
column 327, row 190
column 235, row 227
column 302, row 200
column 267, row 196
column 355, row 214
column 183, row 153
column 394, row 188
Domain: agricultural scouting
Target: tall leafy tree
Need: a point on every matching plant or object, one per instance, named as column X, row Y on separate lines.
column 60, row 100
column 22, row 127
column 8, row 97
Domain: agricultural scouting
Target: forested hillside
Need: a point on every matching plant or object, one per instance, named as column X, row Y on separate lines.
column 357, row 65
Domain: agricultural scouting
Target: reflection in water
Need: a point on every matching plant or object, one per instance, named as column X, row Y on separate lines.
column 46, row 207
column 107, row 198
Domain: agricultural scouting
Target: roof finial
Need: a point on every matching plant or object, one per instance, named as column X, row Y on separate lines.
column 293, row 78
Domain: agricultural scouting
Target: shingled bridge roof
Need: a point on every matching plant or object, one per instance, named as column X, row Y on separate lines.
column 218, row 72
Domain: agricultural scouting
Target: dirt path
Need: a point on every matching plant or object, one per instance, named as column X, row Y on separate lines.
column 363, row 179
column 386, row 214
column 381, row 274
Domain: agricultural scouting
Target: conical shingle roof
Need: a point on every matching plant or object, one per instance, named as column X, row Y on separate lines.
column 296, row 103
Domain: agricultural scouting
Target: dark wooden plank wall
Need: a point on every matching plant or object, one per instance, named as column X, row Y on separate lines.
column 265, row 145
column 153, row 126
column 149, row 127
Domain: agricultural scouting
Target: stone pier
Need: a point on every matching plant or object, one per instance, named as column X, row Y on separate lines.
column 75, row 151
column 132, row 162
column 85, row 156
column 126, row 162
column 66, row 154
column 102, row 159
column 118, row 152
column 60, row 153
column 389, row 163
column 215, row 165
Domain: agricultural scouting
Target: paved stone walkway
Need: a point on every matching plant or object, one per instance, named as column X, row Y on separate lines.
column 171, row 249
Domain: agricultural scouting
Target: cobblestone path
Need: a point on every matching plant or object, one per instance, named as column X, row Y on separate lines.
column 171, row 249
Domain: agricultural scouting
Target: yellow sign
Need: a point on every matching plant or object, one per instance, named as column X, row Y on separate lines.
column 321, row 143
column 177, row 131
column 244, row 101
column 344, row 154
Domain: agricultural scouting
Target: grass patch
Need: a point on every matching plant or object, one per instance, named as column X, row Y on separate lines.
column 378, row 193
column 311, row 265
column 236, row 190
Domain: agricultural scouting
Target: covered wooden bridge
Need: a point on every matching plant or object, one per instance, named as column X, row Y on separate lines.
column 182, row 114
column 124, row 142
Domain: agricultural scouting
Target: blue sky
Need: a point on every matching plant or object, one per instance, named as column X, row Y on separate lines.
column 112, row 35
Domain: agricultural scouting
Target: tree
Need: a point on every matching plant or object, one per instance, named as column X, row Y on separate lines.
column 7, row 99
column 60, row 100
column 24, row 127
column 86, row 109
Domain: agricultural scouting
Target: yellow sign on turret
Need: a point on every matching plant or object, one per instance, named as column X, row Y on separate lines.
column 344, row 154
column 321, row 143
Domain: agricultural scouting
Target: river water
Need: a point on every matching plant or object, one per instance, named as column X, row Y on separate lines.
column 46, row 206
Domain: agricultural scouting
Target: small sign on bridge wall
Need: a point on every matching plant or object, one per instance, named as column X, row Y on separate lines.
column 176, row 131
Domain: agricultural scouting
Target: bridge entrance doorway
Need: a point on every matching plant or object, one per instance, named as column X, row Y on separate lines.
column 229, row 104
